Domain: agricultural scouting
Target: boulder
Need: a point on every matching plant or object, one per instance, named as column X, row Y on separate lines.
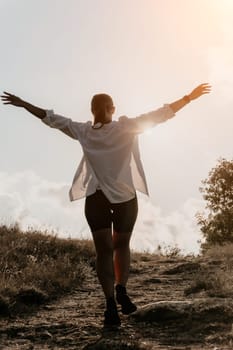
column 205, row 310
column 184, row 267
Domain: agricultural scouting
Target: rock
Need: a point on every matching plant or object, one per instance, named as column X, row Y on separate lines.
column 185, row 267
column 46, row 335
column 162, row 311
column 204, row 310
column 153, row 280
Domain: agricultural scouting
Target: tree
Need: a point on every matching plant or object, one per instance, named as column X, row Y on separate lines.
column 217, row 223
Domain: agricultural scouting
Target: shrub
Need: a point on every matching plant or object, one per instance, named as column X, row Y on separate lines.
column 217, row 224
column 215, row 277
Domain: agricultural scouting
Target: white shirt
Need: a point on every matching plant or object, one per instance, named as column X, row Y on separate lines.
column 111, row 157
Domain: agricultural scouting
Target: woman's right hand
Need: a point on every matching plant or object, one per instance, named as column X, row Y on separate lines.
column 9, row 99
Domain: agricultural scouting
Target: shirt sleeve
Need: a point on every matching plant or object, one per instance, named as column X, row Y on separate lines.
column 66, row 125
column 148, row 120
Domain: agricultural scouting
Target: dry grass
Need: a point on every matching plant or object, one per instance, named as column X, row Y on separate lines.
column 216, row 277
column 166, row 252
column 36, row 266
column 223, row 252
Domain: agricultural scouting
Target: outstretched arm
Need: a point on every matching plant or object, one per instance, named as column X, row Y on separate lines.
column 147, row 120
column 66, row 125
column 197, row 92
column 9, row 99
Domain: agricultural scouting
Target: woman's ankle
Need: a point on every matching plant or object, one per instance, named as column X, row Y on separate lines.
column 120, row 289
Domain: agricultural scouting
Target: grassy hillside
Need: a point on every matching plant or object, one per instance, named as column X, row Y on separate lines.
column 36, row 267
column 183, row 302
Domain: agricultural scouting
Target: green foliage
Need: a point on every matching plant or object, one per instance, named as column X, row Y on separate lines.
column 217, row 223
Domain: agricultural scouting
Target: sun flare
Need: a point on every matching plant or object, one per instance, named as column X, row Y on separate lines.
column 224, row 5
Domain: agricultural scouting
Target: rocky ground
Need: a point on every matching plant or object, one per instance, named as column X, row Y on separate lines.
column 167, row 316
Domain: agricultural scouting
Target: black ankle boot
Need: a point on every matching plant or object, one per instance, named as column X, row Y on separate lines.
column 127, row 307
column 111, row 317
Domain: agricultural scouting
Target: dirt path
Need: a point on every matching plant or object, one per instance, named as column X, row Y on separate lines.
column 75, row 321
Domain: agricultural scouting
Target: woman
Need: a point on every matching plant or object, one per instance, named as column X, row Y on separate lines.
column 108, row 176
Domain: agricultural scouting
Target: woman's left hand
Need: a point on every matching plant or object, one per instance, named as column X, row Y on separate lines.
column 199, row 91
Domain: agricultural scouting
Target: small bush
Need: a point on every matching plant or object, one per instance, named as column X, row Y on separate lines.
column 217, row 281
column 31, row 296
column 170, row 251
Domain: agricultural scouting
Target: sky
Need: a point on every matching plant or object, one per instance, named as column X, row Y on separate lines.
column 57, row 53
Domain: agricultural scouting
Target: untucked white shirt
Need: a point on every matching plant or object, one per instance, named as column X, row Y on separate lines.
column 111, row 157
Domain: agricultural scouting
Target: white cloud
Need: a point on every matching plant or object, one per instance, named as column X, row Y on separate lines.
column 179, row 229
column 37, row 203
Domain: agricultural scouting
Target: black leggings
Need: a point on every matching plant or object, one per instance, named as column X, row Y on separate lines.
column 101, row 214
